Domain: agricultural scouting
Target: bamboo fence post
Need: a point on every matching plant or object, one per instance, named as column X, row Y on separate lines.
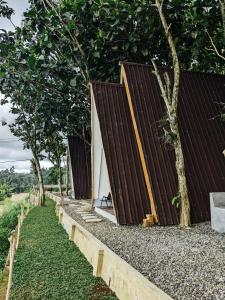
column 12, row 240
column 18, row 231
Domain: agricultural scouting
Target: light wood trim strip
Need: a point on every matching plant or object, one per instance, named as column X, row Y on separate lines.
column 92, row 148
column 123, row 79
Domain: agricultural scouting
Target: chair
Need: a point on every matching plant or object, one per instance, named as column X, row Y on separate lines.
column 107, row 199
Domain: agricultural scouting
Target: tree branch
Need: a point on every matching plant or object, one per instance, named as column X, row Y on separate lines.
column 214, row 46
column 222, row 9
column 176, row 65
column 73, row 38
column 162, row 89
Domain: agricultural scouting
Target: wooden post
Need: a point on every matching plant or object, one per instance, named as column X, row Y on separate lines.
column 73, row 231
column 60, row 218
column 18, row 231
column 12, row 240
column 97, row 270
column 57, row 207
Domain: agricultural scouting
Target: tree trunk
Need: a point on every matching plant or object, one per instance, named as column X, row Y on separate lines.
column 67, row 173
column 185, row 221
column 222, row 9
column 60, row 178
column 40, row 182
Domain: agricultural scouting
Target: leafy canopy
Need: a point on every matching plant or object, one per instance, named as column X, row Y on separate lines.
column 46, row 64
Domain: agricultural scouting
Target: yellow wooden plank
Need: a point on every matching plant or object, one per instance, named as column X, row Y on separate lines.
column 124, row 81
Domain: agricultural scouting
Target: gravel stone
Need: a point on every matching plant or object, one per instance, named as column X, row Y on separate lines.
column 187, row 265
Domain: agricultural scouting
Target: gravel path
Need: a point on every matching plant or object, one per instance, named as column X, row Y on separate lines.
column 187, row 265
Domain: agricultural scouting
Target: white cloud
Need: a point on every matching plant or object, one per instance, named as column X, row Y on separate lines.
column 23, row 166
column 11, row 149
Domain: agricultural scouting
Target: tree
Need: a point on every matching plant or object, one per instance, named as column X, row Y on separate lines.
column 27, row 128
column 19, row 86
column 219, row 53
column 5, row 10
column 46, row 64
column 171, row 100
column 18, row 182
column 56, row 150
column 67, row 50
column 64, row 50
column 50, row 176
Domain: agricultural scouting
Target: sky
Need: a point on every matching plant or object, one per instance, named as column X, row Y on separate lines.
column 11, row 149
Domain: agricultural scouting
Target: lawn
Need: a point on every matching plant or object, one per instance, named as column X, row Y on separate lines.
column 49, row 266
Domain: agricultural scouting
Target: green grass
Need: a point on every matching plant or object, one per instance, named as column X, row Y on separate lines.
column 49, row 266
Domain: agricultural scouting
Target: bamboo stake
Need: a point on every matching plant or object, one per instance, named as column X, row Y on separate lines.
column 14, row 243
column 18, row 231
column 12, row 254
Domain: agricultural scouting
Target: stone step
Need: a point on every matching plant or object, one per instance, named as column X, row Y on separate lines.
column 89, row 217
column 93, row 220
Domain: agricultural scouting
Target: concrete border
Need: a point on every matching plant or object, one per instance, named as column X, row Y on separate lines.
column 217, row 208
column 121, row 277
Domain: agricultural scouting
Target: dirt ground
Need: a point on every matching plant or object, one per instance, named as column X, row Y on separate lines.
column 19, row 197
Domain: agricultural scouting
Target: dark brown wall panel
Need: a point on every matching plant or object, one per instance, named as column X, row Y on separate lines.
column 127, row 182
column 80, row 157
column 202, row 133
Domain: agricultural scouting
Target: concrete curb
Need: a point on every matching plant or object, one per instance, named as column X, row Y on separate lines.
column 121, row 277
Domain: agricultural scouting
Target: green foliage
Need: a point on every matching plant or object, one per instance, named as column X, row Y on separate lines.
column 47, row 63
column 56, row 149
column 51, row 175
column 4, row 242
column 5, row 10
column 18, row 182
column 48, row 265
column 9, row 217
column 5, row 191
column 8, row 222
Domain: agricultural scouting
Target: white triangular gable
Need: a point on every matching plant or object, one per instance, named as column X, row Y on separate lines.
column 100, row 177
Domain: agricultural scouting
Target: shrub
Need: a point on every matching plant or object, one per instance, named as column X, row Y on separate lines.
column 9, row 217
column 4, row 239
column 5, row 191
column 2, row 264
column 8, row 222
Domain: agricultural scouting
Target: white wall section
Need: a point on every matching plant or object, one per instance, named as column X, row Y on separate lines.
column 101, row 183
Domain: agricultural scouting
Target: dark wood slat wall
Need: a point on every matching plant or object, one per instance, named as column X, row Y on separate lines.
column 127, row 182
column 203, row 138
column 80, row 157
